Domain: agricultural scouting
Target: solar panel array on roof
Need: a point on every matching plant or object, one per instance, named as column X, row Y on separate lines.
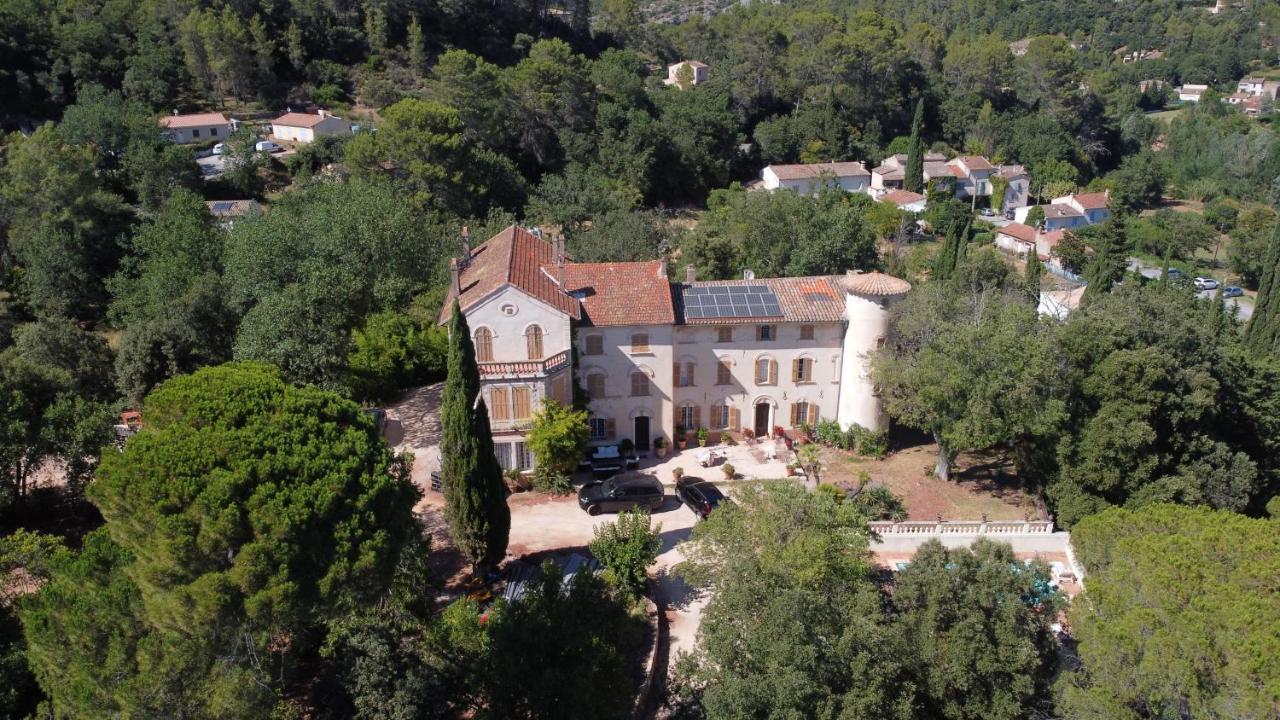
column 221, row 207
column 730, row 301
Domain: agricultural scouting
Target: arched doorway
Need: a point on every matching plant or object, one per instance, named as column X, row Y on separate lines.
column 762, row 416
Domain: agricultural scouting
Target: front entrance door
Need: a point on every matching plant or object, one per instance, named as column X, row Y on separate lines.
column 642, row 433
column 762, row 419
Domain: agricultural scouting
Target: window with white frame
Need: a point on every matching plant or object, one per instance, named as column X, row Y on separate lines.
column 684, row 373
column 724, row 372
column 595, row 345
column 503, row 452
column 689, row 417
column 599, row 428
column 766, row 333
column 639, row 343
column 524, row 458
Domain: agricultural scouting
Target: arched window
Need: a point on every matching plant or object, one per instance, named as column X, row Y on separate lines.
column 533, row 340
column 766, row 371
column 484, row 345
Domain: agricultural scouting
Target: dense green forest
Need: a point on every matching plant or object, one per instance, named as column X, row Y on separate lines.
column 254, row 553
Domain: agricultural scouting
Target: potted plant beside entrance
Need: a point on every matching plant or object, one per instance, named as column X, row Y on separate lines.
column 660, row 447
column 703, row 434
column 682, row 437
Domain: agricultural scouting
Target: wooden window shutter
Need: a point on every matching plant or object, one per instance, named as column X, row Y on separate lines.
column 773, row 372
column 795, row 370
column 697, row 419
column 813, row 413
column 498, row 406
column 795, row 414
column 691, row 368
column 735, row 419
column 610, row 429
column 675, row 375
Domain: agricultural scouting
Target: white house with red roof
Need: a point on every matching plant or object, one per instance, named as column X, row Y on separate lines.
column 1071, row 211
column 654, row 354
column 197, row 127
column 306, row 127
column 905, row 200
column 812, row 178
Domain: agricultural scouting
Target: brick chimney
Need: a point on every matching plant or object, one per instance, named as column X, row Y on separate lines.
column 690, row 274
column 455, row 274
column 466, row 244
column 662, row 268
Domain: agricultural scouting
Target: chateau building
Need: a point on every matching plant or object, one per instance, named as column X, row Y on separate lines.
column 654, row 354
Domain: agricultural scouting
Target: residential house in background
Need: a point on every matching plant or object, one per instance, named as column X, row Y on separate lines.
column 653, row 354
column 306, row 127
column 813, row 178
column 905, row 200
column 197, row 127
column 1070, row 211
column 973, row 176
column 891, row 174
column 1017, row 192
column 1016, row 238
column 698, row 73
column 1190, row 92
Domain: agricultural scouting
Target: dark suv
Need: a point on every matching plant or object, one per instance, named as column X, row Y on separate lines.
column 621, row 493
column 699, row 495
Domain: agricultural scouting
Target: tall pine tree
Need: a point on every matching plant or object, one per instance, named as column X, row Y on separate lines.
column 474, row 493
column 1035, row 272
column 914, row 177
column 1264, row 327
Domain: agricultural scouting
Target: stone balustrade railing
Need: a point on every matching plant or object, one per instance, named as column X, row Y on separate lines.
column 963, row 527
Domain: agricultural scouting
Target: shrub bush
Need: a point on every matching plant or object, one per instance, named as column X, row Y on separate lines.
column 626, row 548
column 551, row 481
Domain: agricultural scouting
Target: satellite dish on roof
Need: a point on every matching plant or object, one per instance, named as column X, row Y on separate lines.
column 748, row 274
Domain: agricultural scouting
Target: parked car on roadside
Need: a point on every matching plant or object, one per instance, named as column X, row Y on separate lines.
column 267, row 146
column 220, row 149
column 988, row 212
column 621, row 493
column 1231, row 291
column 699, row 495
column 1205, row 283
column 1176, row 274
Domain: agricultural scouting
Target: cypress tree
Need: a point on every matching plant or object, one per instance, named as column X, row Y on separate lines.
column 475, row 496
column 1261, row 333
column 1111, row 257
column 944, row 263
column 1035, row 271
column 914, row 175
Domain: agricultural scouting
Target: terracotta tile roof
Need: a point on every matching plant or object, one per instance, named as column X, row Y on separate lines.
column 1056, row 210
column 1018, row 231
column 1051, row 239
column 623, row 293
column 976, row 162
column 901, row 197
column 802, row 299
column 1093, row 201
column 814, row 170
column 1012, row 171
column 302, row 120
column 512, row 257
column 938, row 168
column 874, row 283
column 195, row 120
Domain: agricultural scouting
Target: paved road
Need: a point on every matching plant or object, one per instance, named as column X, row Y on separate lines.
column 1242, row 305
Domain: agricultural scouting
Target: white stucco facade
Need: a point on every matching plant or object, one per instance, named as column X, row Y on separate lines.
column 867, row 327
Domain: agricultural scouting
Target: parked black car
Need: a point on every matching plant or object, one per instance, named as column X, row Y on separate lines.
column 699, row 495
column 621, row 493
